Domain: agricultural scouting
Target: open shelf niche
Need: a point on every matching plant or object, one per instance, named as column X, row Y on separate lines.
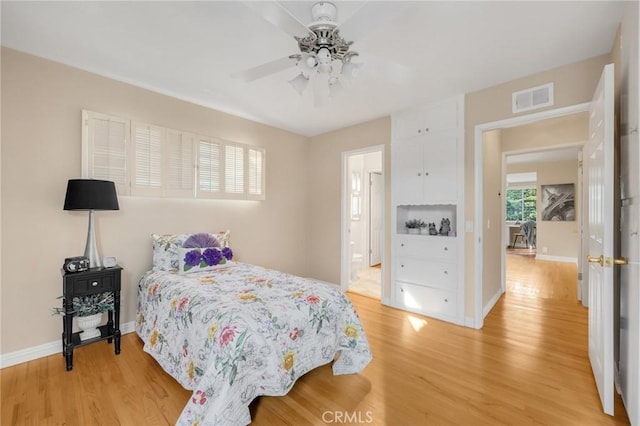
column 429, row 213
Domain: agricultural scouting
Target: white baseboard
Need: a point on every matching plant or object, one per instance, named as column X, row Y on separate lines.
column 470, row 322
column 491, row 303
column 557, row 258
column 46, row 349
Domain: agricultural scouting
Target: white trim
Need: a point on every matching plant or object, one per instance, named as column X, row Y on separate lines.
column 557, row 258
column 46, row 349
column 492, row 302
column 478, row 190
column 345, row 209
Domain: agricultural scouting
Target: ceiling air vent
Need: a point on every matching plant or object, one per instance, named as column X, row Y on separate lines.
column 533, row 98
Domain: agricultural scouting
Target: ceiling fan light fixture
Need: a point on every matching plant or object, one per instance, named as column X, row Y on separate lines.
column 335, row 87
column 299, row 83
column 350, row 69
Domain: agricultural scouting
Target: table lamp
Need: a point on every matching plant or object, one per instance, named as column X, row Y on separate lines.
column 91, row 194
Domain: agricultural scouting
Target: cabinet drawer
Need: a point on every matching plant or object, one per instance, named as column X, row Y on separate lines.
column 426, row 247
column 426, row 300
column 433, row 274
column 88, row 283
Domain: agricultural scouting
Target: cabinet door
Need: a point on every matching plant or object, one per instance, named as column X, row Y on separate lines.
column 407, row 124
column 408, row 172
column 440, row 117
column 440, row 159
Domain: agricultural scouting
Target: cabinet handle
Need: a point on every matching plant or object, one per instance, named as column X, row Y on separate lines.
column 419, row 174
column 446, row 272
column 94, row 284
column 402, row 266
column 446, row 300
column 401, row 244
column 426, row 173
column 446, row 249
column 419, row 131
column 426, row 130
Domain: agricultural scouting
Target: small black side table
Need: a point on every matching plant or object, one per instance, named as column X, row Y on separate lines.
column 76, row 284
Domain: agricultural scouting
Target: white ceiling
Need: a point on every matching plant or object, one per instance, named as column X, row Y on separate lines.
column 190, row 49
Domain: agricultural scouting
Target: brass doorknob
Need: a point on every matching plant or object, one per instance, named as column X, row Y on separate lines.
column 621, row 261
column 599, row 259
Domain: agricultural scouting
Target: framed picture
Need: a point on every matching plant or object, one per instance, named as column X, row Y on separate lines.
column 558, row 202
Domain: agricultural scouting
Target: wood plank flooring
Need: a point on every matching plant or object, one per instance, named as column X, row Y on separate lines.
column 527, row 366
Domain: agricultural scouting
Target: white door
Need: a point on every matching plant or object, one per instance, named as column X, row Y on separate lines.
column 375, row 218
column 601, row 243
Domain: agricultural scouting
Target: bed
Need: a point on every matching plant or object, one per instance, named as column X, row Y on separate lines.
column 235, row 331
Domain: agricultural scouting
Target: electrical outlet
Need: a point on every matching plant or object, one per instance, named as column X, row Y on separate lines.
column 544, row 249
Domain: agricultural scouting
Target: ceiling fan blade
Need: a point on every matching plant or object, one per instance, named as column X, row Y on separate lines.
column 373, row 15
column 264, row 69
column 280, row 17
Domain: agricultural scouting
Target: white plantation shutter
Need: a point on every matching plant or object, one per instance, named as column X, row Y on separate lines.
column 105, row 142
column 234, row 169
column 209, row 167
column 179, row 164
column 255, row 173
column 147, row 161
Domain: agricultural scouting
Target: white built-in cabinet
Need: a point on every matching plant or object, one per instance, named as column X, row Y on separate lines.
column 427, row 178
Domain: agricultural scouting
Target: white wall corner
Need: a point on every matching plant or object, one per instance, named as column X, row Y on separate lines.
column 491, row 303
column 46, row 349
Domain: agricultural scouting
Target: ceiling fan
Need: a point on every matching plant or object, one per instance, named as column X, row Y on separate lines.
column 325, row 55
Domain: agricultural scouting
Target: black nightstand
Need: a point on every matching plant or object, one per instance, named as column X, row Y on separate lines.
column 94, row 280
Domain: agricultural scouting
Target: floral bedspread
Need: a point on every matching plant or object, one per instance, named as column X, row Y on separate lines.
column 242, row 331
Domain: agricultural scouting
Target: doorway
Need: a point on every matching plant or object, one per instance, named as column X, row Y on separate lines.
column 362, row 221
column 490, row 234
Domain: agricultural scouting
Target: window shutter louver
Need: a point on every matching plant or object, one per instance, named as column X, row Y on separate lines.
column 233, row 169
column 208, row 167
column 105, row 141
column 147, row 160
column 147, row 142
column 255, row 173
column 179, row 164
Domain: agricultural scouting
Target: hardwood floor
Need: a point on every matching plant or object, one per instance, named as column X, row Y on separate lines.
column 527, row 366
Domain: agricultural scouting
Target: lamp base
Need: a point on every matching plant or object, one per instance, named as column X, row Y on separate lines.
column 91, row 248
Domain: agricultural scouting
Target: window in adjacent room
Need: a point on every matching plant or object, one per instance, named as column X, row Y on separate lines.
column 521, row 204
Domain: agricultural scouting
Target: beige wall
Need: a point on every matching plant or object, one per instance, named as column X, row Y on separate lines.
column 573, row 84
column 325, row 161
column 492, row 213
column 560, row 239
column 41, row 139
column 554, row 132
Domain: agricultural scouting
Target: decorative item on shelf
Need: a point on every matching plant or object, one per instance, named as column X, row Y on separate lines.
column 109, row 261
column 89, row 309
column 76, row 264
column 432, row 228
column 445, row 226
column 414, row 226
column 91, row 194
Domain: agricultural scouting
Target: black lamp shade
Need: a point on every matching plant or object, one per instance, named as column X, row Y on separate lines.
column 91, row 194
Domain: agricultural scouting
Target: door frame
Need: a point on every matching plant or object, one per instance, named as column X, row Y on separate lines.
column 381, row 208
column 345, row 216
column 479, row 129
column 503, row 256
